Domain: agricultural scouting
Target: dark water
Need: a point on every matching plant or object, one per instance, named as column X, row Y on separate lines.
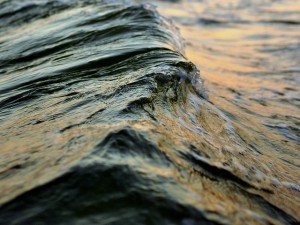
column 105, row 120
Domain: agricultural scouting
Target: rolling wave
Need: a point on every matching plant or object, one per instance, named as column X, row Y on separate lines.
column 104, row 121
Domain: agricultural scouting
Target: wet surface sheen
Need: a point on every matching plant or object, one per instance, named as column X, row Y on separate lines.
column 104, row 119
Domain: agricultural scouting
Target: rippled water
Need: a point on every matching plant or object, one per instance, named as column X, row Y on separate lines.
column 105, row 118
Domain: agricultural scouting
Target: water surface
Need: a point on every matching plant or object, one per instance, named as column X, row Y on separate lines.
column 106, row 119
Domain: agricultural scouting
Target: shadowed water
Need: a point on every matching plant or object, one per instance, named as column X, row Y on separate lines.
column 104, row 120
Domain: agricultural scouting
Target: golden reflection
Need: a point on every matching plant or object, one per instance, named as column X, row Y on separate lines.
column 244, row 68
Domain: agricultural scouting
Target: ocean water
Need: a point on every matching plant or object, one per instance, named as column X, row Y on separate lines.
column 149, row 112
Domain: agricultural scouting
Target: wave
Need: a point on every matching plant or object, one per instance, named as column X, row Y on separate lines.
column 103, row 120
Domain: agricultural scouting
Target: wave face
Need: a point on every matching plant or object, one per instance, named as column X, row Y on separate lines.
column 104, row 121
